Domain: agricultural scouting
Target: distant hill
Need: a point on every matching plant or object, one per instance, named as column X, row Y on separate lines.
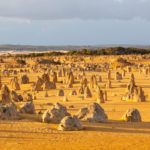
column 48, row 48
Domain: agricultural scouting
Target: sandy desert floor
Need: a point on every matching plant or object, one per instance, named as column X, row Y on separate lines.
column 30, row 133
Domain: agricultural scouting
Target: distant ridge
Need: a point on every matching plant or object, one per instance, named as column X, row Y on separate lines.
column 33, row 48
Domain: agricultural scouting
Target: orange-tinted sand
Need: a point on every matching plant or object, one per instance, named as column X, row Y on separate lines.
column 29, row 133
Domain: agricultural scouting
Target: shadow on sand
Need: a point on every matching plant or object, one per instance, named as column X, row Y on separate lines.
column 119, row 126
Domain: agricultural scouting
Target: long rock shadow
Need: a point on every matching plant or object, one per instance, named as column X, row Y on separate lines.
column 25, row 138
column 119, row 126
column 53, row 131
column 100, row 129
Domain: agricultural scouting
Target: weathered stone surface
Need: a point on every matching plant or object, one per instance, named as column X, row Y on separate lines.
column 38, row 84
column 134, row 93
column 100, row 96
column 93, row 82
column 5, row 94
column 14, row 83
column 15, row 96
column 69, row 123
column 81, row 90
column 87, row 93
column 92, row 113
column 73, row 93
column 132, row 115
column 84, row 82
column 24, row 79
column 45, row 77
column 9, row 112
column 55, row 114
column 46, row 117
column 28, row 108
column 54, row 77
column 70, row 78
column 60, row 93
column 49, row 85
column 118, row 76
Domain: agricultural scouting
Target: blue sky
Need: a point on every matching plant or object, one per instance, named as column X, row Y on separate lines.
column 75, row 22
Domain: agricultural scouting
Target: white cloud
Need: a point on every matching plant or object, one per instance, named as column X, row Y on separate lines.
column 120, row 1
column 71, row 9
column 13, row 19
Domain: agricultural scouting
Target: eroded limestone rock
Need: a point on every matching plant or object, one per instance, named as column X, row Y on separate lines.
column 69, row 123
column 92, row 113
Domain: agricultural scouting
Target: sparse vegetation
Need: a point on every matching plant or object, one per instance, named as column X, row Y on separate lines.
column 47, row 61
column 39, row 54
column 110, row 51
column 122, row 62
column 20, row 61
column 97, row 52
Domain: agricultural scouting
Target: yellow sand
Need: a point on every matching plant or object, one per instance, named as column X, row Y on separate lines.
column 29, row 133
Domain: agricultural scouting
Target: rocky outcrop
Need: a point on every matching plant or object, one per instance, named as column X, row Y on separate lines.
column 93, row 82
column 45, row 77
column 100, row 96
column 72, row 93
column 28, row 108
column 118, row 76
column 5, row 94
column 14, row 83
column 24, row 79
column 60, row 93
column 87, row 93
column 69, row 123
column 9, row 112
column 55, row 114
column 38, row 84
column 49, row 85
column 132, row 115
column 15, row 97
column 92, row 113
column 84, row 82
column 134, row 93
